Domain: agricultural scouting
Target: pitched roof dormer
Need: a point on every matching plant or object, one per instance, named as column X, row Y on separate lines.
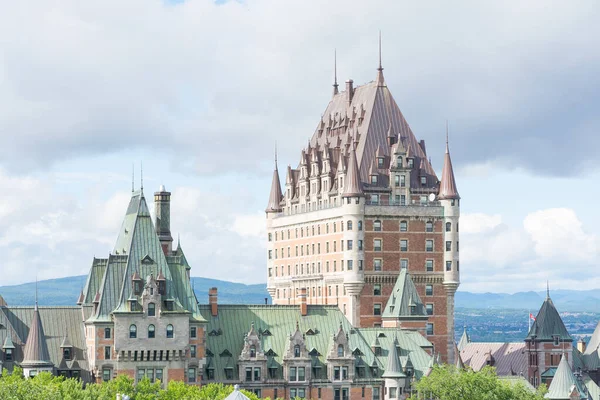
column 296, row 346
column 252, row 349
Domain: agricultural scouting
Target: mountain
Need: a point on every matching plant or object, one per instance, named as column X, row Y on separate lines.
column 564, row 300
column 65, row 291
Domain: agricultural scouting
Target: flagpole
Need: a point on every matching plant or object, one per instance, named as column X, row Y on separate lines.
column 529, row 322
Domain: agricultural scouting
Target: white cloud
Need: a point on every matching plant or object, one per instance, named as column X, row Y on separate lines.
column 479, row 222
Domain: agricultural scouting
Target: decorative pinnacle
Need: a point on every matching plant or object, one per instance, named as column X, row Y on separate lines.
column 142, row 176
column 547, row 290
column 36, row 293
column 380, row 67
column 132, row 177
column 447, row 136
column 335, row 83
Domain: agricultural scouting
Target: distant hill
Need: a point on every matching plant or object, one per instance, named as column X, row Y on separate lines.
column 564, row 300
column 64, row 291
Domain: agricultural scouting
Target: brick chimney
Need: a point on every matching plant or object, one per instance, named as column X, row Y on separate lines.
column 349, row 90
column 302, row 298
column 212, row 301
column 581, row 346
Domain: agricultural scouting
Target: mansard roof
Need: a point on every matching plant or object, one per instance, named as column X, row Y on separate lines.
column 509, row 358
column 548, row 324
column 404, row 296
column 137, row 252
column 281, row 321
column 56, row 322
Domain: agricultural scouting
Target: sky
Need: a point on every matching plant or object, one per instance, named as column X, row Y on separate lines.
column 200, row 91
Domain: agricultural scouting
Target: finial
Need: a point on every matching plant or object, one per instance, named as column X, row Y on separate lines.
column 142, row 176
column 447, row 136
column 132, row 177
column 547, row 290
column 276, row 154
column 380, row 67
column 335, row 84
column 380, row 80
column 36, row 292
column 178, row 240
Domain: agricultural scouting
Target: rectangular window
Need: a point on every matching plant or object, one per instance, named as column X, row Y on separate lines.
column 377, row 289
column 248, row 374
column 403, row 226
column 397, row 180
column 8, row 355
column 191, row 375
column 393, row 392
column 193, row 351
column 270, row 254
column 159, row 374
column 403, row 263
column 348, row 244
column 377, row 245
column 350, row 265
column 429, row 308
column 429, row 265
column 448, row 245
column 336, row 373
column 107, row 352
column 256, row 374
column 373, row 179
column 376, row 393
column 376, row 309
column 429, row 246
column 360, row 265
column 301, row 374
column 403, row 245
column 423, row 181
column 377, row 264
column 375, row 197
column 402, row 180
column 292, row 377
column 106, row 333
column 448, row 265
column 403, row 200
column 106, row 374
column 360, row 245
column 429, row 290
column 429, row 329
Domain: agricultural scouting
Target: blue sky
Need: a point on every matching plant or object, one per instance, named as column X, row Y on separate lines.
column 199, row 92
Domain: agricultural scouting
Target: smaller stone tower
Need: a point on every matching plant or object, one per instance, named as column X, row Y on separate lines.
column 162, row 205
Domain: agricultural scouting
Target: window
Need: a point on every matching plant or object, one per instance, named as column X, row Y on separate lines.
column 377, row 245
column 457, row 245
column 457, row 266
column 448, row 226
column 150, row 331
column 360, row 225
column 159, row 374
column 169, row 331
column 373, row 179
column 377, row 225
column 248, row 374
column 403, row 200
column 448, row 265
column 193, row 351
column 393, row 392
column 428, row 226
column 429, row 329
column 270, row 254
column 292, row 377
column 132, row 331
column 403, row 226
column 360, row 265
column 556, row 340
column 375, row 393
column 252, row 351
column 256, row 374
column 297, row 351
column 411, row 162
column 377, row 289
column 429, row 246
column 107, row 352
column 301, row 374
column 348, row 244
column 336, row 373
column 429, row 265
column 429, row 290
column 66, row 353
column 270, row 236
column 151, row 309
column 106, row 374
column 429, row 309
column 376, row 309
column 403, row 245
column 8, row 354
column 380, row 161
column 360, row 245
column 349, row 225
column 191, row 375
column 403, row 263
column 423, row 181
column 396, row 180
column 377, row 264
column 350, row 266
column 340, row 350
column 448, row 245
column 106, row 333
column 399, row 162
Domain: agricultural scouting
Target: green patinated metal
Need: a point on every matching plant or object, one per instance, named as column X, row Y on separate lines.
column 404, row 302
column 548, row 325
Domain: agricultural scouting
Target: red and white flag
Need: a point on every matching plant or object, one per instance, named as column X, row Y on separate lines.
column 531, row 317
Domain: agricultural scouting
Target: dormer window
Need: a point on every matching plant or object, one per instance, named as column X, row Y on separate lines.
column 380, row 161
column 340, row 350
column 67, row 353
column 411, row 162
column 399, row 162
column 373, row 179
column 132, row 305
column 8, row 354
column 137, row 287
column 556, row 340
column 151, row 309
column 297, row 351
column 252, row 351
column 423, row 181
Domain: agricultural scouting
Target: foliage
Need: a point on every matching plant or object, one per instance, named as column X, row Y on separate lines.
column 449, row 383
column 49, row 387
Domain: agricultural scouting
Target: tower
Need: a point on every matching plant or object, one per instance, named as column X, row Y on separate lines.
column 162, row 205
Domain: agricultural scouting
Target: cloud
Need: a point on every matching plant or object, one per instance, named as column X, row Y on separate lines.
column 214, row 85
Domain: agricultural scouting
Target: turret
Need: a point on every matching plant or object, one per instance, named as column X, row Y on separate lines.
column 275, row 196
column 162, row 205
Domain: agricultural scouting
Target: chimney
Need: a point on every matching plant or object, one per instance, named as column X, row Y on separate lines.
column 212, row 301
column 266, row 301
column 581, row 346
column 162, row 207
column 349, row 90
column 422, row 145
column 303, row 306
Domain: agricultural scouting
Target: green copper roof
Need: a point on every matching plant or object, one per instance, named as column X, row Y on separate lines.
column 564, row 383
column 393, row 368
column 549, row 373
column 275, row 323
column 404, row 296
column 548, row 324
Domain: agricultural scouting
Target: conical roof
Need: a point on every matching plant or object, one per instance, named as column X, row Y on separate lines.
column 36, row 349
column 236, row 394
column 464, row 339
column 8, row 343
column 548, row 324
column 448, row 184
column 564, row 383
column 275, row 195
column 594, row 343
column 458, row 359
column 393, row 368
column 353, row 186
column 81, row 298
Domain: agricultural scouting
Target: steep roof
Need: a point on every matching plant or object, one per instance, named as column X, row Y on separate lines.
column 564, row 383
column 448, row 188
column 393, row 368
column 403, row 296
column 352, row 185
column 236, row 394
column 275, row 195
column 510, row 359
column 36, row 349
column 464, row 339
column 548, row 324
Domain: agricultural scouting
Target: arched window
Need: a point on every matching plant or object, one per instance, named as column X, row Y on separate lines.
column 349, row 223
column 448, row 226
column 151, row 332
column 132, row 331
column 340, row 350
column 252, row 351
column 297, row 350
column 169, row 331
column 151, row 309
column 428, row 226
column 399, row 162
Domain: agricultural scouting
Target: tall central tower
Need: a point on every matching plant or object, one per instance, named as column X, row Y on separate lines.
column 363, row 204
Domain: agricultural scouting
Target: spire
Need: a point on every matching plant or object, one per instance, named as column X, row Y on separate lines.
column 275, row 196
column 547, row 290
column 132, row 177
column 464, row 339
column 36, row 348
column 353, row 185
column 380, row 80
column 335, row 84
column 448, row 184
column 141, row 177
column 36, row 292
column 394, row 367
column 564, row 382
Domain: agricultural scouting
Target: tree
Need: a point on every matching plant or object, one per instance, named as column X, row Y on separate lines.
column 449, row 383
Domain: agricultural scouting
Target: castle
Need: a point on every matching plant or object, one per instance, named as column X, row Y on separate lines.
column 364, row 205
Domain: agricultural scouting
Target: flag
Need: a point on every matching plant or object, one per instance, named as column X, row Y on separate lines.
column 531, row 317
